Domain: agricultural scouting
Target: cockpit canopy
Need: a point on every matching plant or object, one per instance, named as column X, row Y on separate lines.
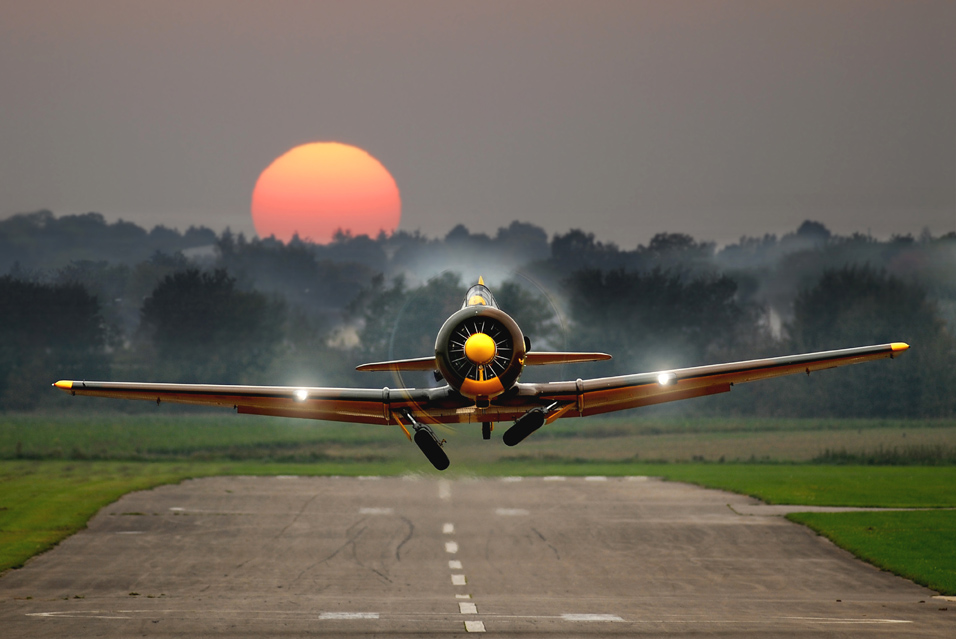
column 479, row 295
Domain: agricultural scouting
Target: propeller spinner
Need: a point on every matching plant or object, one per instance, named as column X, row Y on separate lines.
column 480, row 348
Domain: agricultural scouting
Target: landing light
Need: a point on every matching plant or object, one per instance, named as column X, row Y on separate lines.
column 666, row 378
column 301, row 395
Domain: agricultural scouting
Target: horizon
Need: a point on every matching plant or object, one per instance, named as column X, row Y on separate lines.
column 182, row 230
column 716, row 120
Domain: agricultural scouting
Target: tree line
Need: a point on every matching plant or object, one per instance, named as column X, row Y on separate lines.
column 264, row 312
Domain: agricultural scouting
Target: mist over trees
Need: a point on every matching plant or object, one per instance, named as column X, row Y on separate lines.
column 656, row 319
column 83, row 298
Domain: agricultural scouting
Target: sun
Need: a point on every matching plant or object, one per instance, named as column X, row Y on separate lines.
column 316, row 189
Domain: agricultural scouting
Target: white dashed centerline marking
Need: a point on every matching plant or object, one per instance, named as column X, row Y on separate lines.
column 376, row 511
column 595, row 478
column 510, row 512
column 508, row 480
column 458, row 579
column 554, row 478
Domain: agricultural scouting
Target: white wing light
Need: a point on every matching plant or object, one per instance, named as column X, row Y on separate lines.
column 666, row 378
column 301, row 395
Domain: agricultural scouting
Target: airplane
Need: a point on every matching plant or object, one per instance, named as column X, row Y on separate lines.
column 480, row 353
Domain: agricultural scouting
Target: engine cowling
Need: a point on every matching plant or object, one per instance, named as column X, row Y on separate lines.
column 480, row 351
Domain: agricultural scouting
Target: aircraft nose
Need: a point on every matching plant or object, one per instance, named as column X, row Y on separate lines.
column 480, row 349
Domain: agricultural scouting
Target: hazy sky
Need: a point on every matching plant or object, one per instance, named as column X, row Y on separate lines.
column 623, row 118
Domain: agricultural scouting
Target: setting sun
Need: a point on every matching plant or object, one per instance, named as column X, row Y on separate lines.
column 318, row 188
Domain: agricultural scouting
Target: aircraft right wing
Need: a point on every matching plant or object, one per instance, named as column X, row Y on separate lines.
column 357, row 405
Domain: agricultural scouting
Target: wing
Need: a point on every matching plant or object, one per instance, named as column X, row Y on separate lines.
column 606, row 394
column 443, row 405
column 360, row 405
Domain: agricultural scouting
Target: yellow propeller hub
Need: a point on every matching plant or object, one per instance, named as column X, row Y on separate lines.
column 480, row 349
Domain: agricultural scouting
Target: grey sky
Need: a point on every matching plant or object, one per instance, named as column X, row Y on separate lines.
column 623, row 118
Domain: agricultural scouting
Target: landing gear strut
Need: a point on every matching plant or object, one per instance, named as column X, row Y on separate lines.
column 427, row 441
column 486, row 428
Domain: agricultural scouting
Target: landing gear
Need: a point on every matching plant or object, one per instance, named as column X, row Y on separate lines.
column 526, row 424
column 427, row 441
column 486, row 428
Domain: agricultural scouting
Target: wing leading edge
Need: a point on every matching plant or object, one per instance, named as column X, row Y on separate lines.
column 577, row 398
column 361, row 405
column 608, row 394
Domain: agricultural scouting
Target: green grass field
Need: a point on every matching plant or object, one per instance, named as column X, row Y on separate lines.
column 821, row 485
column 164, row 434
column 57, row 471
column 917, row 545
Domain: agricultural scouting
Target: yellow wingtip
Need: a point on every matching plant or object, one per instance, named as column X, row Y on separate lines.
column 481, row 281
column 64, row 385
column 899, row 346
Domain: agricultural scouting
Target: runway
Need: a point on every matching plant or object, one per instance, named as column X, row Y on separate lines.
column 417, row 556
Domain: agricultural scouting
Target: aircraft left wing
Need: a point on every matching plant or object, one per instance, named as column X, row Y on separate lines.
column 607, row 394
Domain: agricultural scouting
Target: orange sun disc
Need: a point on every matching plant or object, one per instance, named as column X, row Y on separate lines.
column 319, row 188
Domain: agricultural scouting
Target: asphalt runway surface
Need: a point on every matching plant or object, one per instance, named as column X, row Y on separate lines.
column 415, row 556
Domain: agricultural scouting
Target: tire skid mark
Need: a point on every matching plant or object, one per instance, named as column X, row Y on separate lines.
column 297, row 515
column 411, row 533
column 557, row 555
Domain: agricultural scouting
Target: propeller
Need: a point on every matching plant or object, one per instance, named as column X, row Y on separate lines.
column 480, row 348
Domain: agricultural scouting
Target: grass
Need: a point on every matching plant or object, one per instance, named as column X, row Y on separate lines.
column 818, row 485
column 165, row 435
column 917, row 545
column 41, row 503
column 170, row 435
column 61, row 469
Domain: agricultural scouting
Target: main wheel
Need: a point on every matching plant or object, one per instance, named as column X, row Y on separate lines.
column 429, row 445
column 524, row 426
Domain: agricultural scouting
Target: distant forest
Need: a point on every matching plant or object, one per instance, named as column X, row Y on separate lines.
column 81, row 298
